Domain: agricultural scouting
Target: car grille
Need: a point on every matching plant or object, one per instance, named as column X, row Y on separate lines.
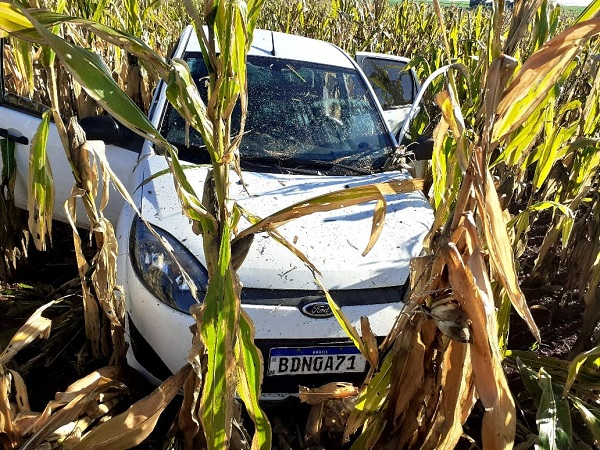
column 343, row 297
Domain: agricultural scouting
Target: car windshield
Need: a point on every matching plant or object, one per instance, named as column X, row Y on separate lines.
column 302, row 118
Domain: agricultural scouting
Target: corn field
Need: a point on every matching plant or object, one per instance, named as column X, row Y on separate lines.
column 513, row 181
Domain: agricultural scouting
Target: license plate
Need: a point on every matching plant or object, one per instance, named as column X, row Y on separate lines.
column 315, row 360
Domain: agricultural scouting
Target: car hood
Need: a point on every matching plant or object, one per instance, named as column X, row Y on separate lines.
column 333, row 241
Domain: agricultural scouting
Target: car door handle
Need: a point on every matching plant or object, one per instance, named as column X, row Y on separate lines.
column 18, row 139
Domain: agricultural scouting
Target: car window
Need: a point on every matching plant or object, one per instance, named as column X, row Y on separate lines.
column 298, row 112
column 393, row 85
column 18, row 90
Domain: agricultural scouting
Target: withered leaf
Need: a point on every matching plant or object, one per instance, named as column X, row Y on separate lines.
column 326, row 392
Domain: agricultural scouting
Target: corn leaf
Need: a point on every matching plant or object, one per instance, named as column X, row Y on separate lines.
column 370, row 400
column 69, row 406
column 40, row 198
column 279, row 238
column 553, row 417
column 90, row 71
column 35, row 327
column 351, row 332
column 336, row 200
column 218, row 327
column 590, row 417
column 538, row 75
column 530, row 380
column 590, row 12
column 575, row 366
column 499, row 246
column 250, row 377
column 134, row 425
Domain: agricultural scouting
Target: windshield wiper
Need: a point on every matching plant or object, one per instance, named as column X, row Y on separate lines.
column 302, row 166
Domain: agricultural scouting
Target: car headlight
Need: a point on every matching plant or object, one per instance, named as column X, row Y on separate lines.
column 159, row 273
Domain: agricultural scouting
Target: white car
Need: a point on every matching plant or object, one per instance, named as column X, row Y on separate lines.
column 314, row 126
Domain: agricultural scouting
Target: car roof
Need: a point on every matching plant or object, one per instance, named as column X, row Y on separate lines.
column 288, row 46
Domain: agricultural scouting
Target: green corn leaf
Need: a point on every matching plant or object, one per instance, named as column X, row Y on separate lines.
column 348, row 328
column 585, row 166
column 9, row 164
column 369, row 402
column 218, row 330
column 551, row 154
column 439, row 164
column 587, row 377
column 530, row 380
column 576, row 364
column 185, row 98
column 541, row 206
column 24, row 59
column 90, row 71
column 591, row 417
column 590, row 12
column 40, row 197
column 504, row 321
column 250, row 376
column 553, row 417
column 525, row 138
column 11, row 19
column 100, row 10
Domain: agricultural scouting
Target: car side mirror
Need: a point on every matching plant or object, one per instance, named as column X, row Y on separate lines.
column 422, row 148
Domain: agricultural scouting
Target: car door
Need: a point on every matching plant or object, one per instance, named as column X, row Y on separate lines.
column 395, row 87
column 19, row 121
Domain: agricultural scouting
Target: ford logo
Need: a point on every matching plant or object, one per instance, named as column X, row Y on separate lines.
column 318, row 310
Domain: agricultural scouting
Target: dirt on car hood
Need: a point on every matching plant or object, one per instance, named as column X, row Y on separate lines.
column 333, row 241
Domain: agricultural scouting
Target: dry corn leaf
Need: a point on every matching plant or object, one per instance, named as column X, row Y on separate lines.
column 469, row 297
column 91, row 312
column 410, row 379
column 499, row 422
column 55, row 417
column 336, row 200
column 446, row 428
column 407, row 371
column 24, row 422
column 134, row 425
column 314, row 396
column 187, row 419
column 538, row 75
column 523, row 12
column 370, row 342
column 20, row 392
column 498, row 243
column 36, row 326
column 99, row 381
column 500, row 426
column 312, row 430
column 8, row 435
column 90, row 381
column 291, row 246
